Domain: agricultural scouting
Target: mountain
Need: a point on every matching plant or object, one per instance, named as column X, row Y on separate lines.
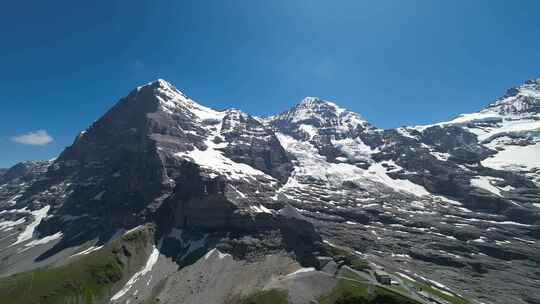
column 511, row 126
column 165, row 200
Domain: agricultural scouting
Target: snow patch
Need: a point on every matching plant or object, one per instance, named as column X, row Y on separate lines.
column 309, row 129
column 28, row 232
column 214, row 160
column 133, row 229
column 260, row 209
column 88, row 250
column 440, row 156
column 173, row 100
column 355, row 149
column 44, row 240
column 515, row 158
column 405, row 133
column 215, row 252
column 378, row 173
column 313, row 165
column 152, row 260
column 524, row 240
column 405, row 276
column 484, row 182
column 301, row 270
column 8, row 225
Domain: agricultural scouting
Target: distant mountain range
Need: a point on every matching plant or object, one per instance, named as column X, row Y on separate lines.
column 164, row 200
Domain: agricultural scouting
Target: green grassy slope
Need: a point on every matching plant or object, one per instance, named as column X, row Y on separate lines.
column 273, row 296
column 87, row 279
column 354, row 292
column 454, row 299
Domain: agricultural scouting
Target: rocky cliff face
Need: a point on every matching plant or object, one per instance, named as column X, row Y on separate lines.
column 457, row 201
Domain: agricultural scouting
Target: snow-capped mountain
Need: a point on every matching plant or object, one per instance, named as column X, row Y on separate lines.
column 199, row 205
column 522, row 100
column 511, row 126
column 314, row 116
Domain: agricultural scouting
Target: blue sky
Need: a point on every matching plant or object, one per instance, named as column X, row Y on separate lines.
column 395, row 62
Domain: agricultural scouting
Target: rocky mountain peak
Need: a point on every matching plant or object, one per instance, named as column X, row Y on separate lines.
column 173, row 101
column 311, row 101
column 522, row 99
column 316, row 104
column 165, row 90
column 533, row 81
column 159, row 84
column 162, row 83
column 530, row 88
column 317, row 112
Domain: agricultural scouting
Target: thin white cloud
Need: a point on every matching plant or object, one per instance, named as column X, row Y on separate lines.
column 34, row 138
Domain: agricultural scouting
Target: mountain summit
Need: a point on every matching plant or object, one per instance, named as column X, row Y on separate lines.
column 320, row 113
column 519, row 100
column 166, row 200
column 314, row 117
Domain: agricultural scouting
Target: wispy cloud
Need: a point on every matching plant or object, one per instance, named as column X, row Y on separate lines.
column 34, row 138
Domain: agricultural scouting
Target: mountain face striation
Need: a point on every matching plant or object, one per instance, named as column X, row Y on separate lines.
column 164, row 200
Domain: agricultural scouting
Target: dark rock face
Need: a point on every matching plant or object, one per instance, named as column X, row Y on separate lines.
column 198, row 203
column 443, row 201
column 254, row 144
column 23, row 172
column 114, row 165
column 462, row 145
